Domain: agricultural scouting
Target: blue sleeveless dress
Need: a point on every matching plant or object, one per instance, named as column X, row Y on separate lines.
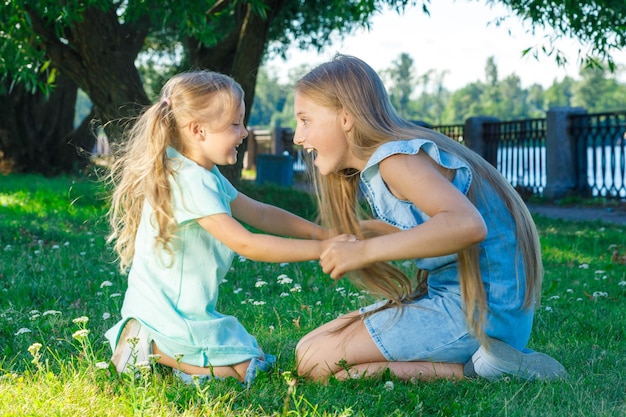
column 433, row 328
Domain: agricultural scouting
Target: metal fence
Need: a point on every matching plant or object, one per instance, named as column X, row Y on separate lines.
column 601, row 153
column 517, row 149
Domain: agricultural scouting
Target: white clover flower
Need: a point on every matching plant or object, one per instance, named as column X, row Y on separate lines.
column 284, row 294
column 597, row 294
column 66, row 244
column 260, row 284
column 389, row 385
column 51, row 312
column 318, row 303
column 554, row 297
column 37, row 252
column 55, row 247
column 80, row 334
column 284, row 279
column 106, row 316
column 80, row 320
column 622, row 283
column 22, row 331
column 33, row 312
column 548, row 308
column 242, row 258
column 258, row 303
column 569, row 290
column 34, row 348
column 34, row 317
column 106, row 284
column 583, row 266
column 296, row 288
column 83, row 253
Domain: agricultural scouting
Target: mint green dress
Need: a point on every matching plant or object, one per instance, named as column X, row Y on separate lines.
column 174, row 295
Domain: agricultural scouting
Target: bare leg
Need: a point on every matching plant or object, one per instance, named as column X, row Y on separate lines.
column 237, row 371
column 351, row 352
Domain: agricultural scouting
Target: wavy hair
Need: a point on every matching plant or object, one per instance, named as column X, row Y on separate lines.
column 349, row 83
column 141, row 171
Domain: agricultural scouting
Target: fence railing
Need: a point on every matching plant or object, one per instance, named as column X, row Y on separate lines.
column 601, row 153
column 570, row 152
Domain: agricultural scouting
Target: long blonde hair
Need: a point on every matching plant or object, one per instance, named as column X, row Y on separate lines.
column 349, row 83
column 141, row 169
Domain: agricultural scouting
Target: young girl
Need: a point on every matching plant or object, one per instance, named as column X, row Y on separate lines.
column 472, row 238
column 174, row 224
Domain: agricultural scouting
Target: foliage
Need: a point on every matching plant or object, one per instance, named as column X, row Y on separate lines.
column 599, row 24
column 62, row 291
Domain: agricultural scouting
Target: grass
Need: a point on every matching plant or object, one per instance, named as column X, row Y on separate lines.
column 61, row 291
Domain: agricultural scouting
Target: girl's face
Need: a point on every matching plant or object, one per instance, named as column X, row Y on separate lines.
column 323, row 131
column 220, row 148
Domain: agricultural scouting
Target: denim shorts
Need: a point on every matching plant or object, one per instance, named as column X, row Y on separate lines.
column 430, row 329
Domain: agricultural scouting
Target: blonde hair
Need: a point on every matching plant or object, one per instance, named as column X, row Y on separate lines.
column 141, row 172
column 349, row 83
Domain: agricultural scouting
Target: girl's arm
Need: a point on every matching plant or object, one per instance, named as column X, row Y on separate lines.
column 374, row 227
column 257, row 246
column 454, row 223
column 271, row 219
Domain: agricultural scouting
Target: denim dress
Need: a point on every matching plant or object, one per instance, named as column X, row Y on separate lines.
column 433, row 328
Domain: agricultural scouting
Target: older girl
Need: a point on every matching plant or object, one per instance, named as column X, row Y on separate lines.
column 435, row 201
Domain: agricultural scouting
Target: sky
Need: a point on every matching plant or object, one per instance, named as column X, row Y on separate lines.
column 458, row 37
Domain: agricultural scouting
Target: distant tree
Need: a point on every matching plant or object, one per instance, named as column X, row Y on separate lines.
column 512, row 104
column 464, row 103
column 535, row 102
column 269, row 98
column 597, row 93
column 401, row 83
column 560, row 93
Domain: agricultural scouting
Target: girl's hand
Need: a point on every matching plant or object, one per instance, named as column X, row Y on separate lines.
column 342, row 256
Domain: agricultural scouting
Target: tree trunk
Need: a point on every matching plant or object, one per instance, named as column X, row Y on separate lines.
column 99, row 56
column 239, row 55
column 33, row 131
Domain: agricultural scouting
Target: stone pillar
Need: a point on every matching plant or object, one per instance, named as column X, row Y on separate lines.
column 474, row 138
column 560, row 153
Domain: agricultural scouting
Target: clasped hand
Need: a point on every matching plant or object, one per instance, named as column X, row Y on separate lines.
column 341, row 255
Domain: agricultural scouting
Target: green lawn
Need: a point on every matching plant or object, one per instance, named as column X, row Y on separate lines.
column 55, row 268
